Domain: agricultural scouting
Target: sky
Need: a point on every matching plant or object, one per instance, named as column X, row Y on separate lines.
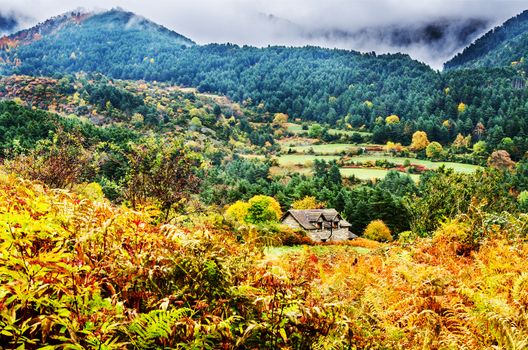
column 431, row 31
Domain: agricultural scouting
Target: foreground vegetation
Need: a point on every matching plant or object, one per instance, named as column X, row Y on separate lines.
column 128, row 219
column 81, row 273
column 142, row 215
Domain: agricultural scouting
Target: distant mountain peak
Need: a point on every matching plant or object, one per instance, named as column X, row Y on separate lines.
column 117, row 16
column 499, row 47
column 48, row 27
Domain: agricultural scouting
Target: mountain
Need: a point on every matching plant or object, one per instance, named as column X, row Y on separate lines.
column 89, row 33
column 432, row 41
column 342, row 88
column 298, row 81
column 502, row 46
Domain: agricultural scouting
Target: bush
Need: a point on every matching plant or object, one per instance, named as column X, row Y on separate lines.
column 523, row 201
column 91, row 191
column 454, row 236
column 291, row 237
column 378, row 231
column 59, row 163
column 407, row 237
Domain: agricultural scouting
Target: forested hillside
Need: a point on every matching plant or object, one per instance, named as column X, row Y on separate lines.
column 341, row 88
column 500, row 47
column 144, row 179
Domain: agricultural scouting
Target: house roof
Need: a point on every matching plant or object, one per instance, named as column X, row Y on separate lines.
column 305, row 218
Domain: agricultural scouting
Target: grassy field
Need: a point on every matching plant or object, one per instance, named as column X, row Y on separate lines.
column 297, row 129
column 334, row 148
column 348, row 132
column 302, row 159
column 283, row 251
column 369, row 174
column 284, row 170
column 458, row 167
column 252, row 156
column 302, row 163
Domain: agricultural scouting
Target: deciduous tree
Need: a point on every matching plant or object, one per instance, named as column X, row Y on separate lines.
column 392, row 119
column 161, row 172
column 237, row 212
column 308, row 202
column 501, row 160
column 419, row 141
column 434, row 150
column 378, row 231
column 263, row 209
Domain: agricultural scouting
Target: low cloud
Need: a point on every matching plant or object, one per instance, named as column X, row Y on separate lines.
column 431, row 30
column 8, row 22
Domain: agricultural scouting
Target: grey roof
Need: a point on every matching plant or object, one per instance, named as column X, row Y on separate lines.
column 305, row 218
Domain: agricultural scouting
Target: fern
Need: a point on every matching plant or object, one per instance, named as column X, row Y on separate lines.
column 157, row 328
column 520, row 290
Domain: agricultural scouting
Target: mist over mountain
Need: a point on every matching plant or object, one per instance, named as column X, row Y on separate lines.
column 433, row 41
column 431, row 31
column 502, row 46
column 8, row 23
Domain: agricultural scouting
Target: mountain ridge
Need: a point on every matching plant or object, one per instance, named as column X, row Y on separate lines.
column 492, row 50
column 57, row 23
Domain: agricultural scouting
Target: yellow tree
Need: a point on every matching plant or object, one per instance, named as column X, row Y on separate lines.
column 433, row 150
column 237, row 212
column 280, row 119
column 307, row 202
column 393, row 147
column 461, row 107
column 392, row 119
column 419, row 141
column 459, row 142
column 263, row 209
column 378, row 231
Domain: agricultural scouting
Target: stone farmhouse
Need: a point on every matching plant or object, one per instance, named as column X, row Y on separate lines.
column 321, row 225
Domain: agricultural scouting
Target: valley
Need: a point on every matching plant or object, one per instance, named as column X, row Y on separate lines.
column 156, row 193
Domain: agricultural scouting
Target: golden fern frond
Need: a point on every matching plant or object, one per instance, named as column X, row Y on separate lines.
column 148, row 330
column 519, row 290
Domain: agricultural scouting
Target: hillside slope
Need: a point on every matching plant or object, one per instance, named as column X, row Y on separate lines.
column 341, row 88
column 501, row 46
column 77, row 36
column 298, row 81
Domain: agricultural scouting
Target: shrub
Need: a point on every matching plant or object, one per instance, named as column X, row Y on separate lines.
column 407, row 237
column 91, row 191
column 378, row 231
column 523, row 201
column 454, row 236
column 480, row 147
column 291, row 237
column 59, row 163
